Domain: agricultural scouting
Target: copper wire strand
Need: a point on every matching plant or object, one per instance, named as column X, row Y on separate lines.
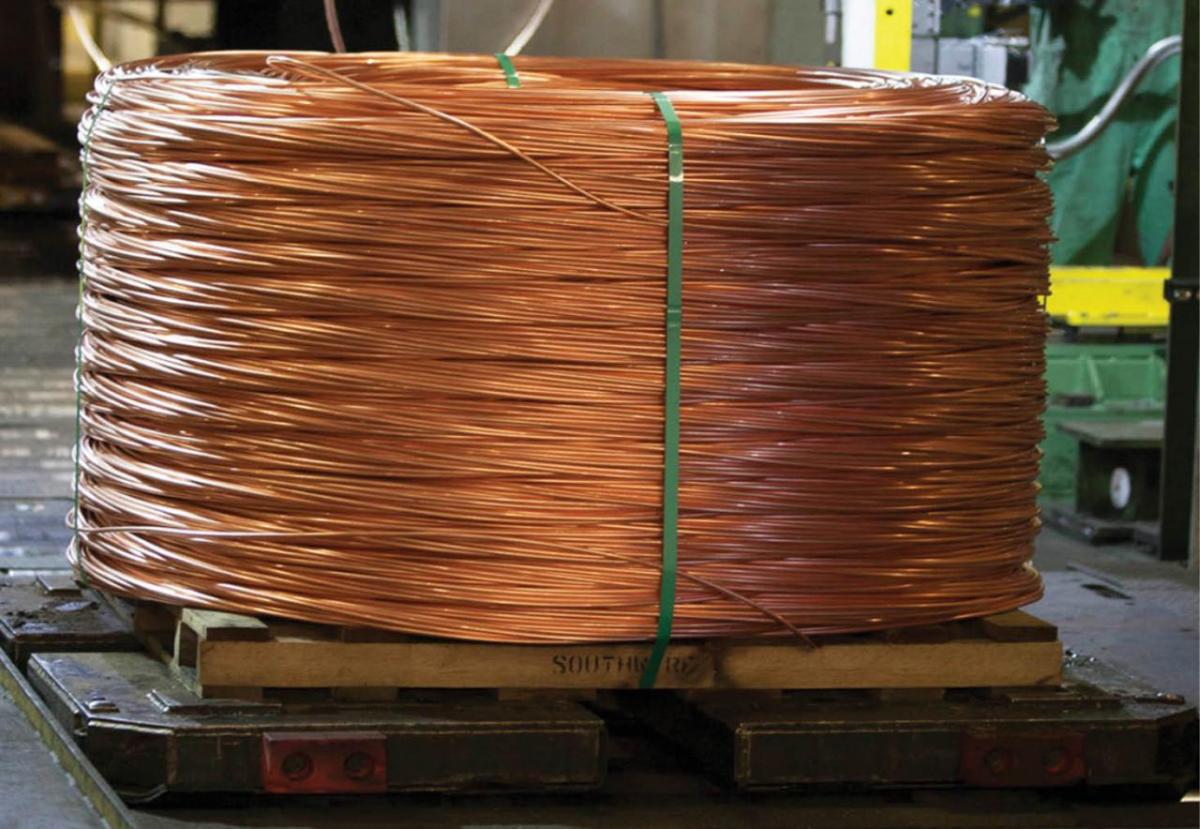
column 372, row 339
column 309, row 70
column 334, row 26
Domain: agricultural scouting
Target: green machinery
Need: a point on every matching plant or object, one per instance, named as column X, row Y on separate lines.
column 1105, row 395
column 1104, row 382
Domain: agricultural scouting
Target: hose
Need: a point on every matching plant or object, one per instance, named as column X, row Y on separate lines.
column 1156, row 54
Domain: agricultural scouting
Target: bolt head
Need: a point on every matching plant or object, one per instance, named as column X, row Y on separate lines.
column 998, row 761
column 296, row 766
column 1056, row 760
column 358, row 766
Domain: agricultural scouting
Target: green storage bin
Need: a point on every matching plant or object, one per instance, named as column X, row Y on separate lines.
column 1085, row 381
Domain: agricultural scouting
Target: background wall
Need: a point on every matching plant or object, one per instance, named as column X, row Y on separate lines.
column 761, row 31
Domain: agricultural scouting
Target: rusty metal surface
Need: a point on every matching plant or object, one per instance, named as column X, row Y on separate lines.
column 992, row 757
column 140, row 723
column 1118, row 734
column 148, row 734
column 324, row 762
column 50, row 613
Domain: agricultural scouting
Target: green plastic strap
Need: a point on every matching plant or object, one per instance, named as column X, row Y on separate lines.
column 674, row 323
column 84, row 157
column 510, row 71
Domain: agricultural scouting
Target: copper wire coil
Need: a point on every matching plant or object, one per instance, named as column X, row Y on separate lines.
column 373, row 339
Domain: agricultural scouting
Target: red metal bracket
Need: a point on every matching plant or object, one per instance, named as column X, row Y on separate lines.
column 324, row 762
column 997, row 759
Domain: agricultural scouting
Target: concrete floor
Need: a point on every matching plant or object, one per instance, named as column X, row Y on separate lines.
column 34, row 792
column 1115, row 603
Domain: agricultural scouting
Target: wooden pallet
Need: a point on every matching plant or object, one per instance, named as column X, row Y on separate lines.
column 225, row 654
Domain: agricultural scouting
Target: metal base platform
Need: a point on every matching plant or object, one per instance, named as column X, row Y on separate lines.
column 149, row 735
column 1098, row 729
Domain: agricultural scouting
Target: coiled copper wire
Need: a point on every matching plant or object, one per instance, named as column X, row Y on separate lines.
column 373, row 339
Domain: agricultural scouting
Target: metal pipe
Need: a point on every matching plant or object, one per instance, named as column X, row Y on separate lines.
column 1155, row 55
column 833, row 26
column 94, row 52
column 529, row 29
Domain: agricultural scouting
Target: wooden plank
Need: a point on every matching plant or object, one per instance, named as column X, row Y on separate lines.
column 213, row 626
column 924, row 634
column 146, row 618
column 961, row 664
column 186, row 647
column 712, row 664
column 357, row 634
column 1017, row 626
column 152, row 619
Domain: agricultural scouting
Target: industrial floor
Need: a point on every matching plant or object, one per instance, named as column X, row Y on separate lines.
column 1114, row 603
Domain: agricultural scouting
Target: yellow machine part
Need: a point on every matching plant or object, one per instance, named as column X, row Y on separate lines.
column 1108, row 297
column 893, row 34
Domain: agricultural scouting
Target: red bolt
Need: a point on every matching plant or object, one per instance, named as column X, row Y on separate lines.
column 358, row 766
column 296, row 766
column 998, row 761
column 1056, row 760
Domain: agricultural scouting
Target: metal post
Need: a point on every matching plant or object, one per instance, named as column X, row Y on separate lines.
column 1183, row 355
column 426, row 24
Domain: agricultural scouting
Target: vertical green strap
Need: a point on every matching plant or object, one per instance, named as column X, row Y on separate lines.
column 510, row 71
column 83, row 186
column 674, row 322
